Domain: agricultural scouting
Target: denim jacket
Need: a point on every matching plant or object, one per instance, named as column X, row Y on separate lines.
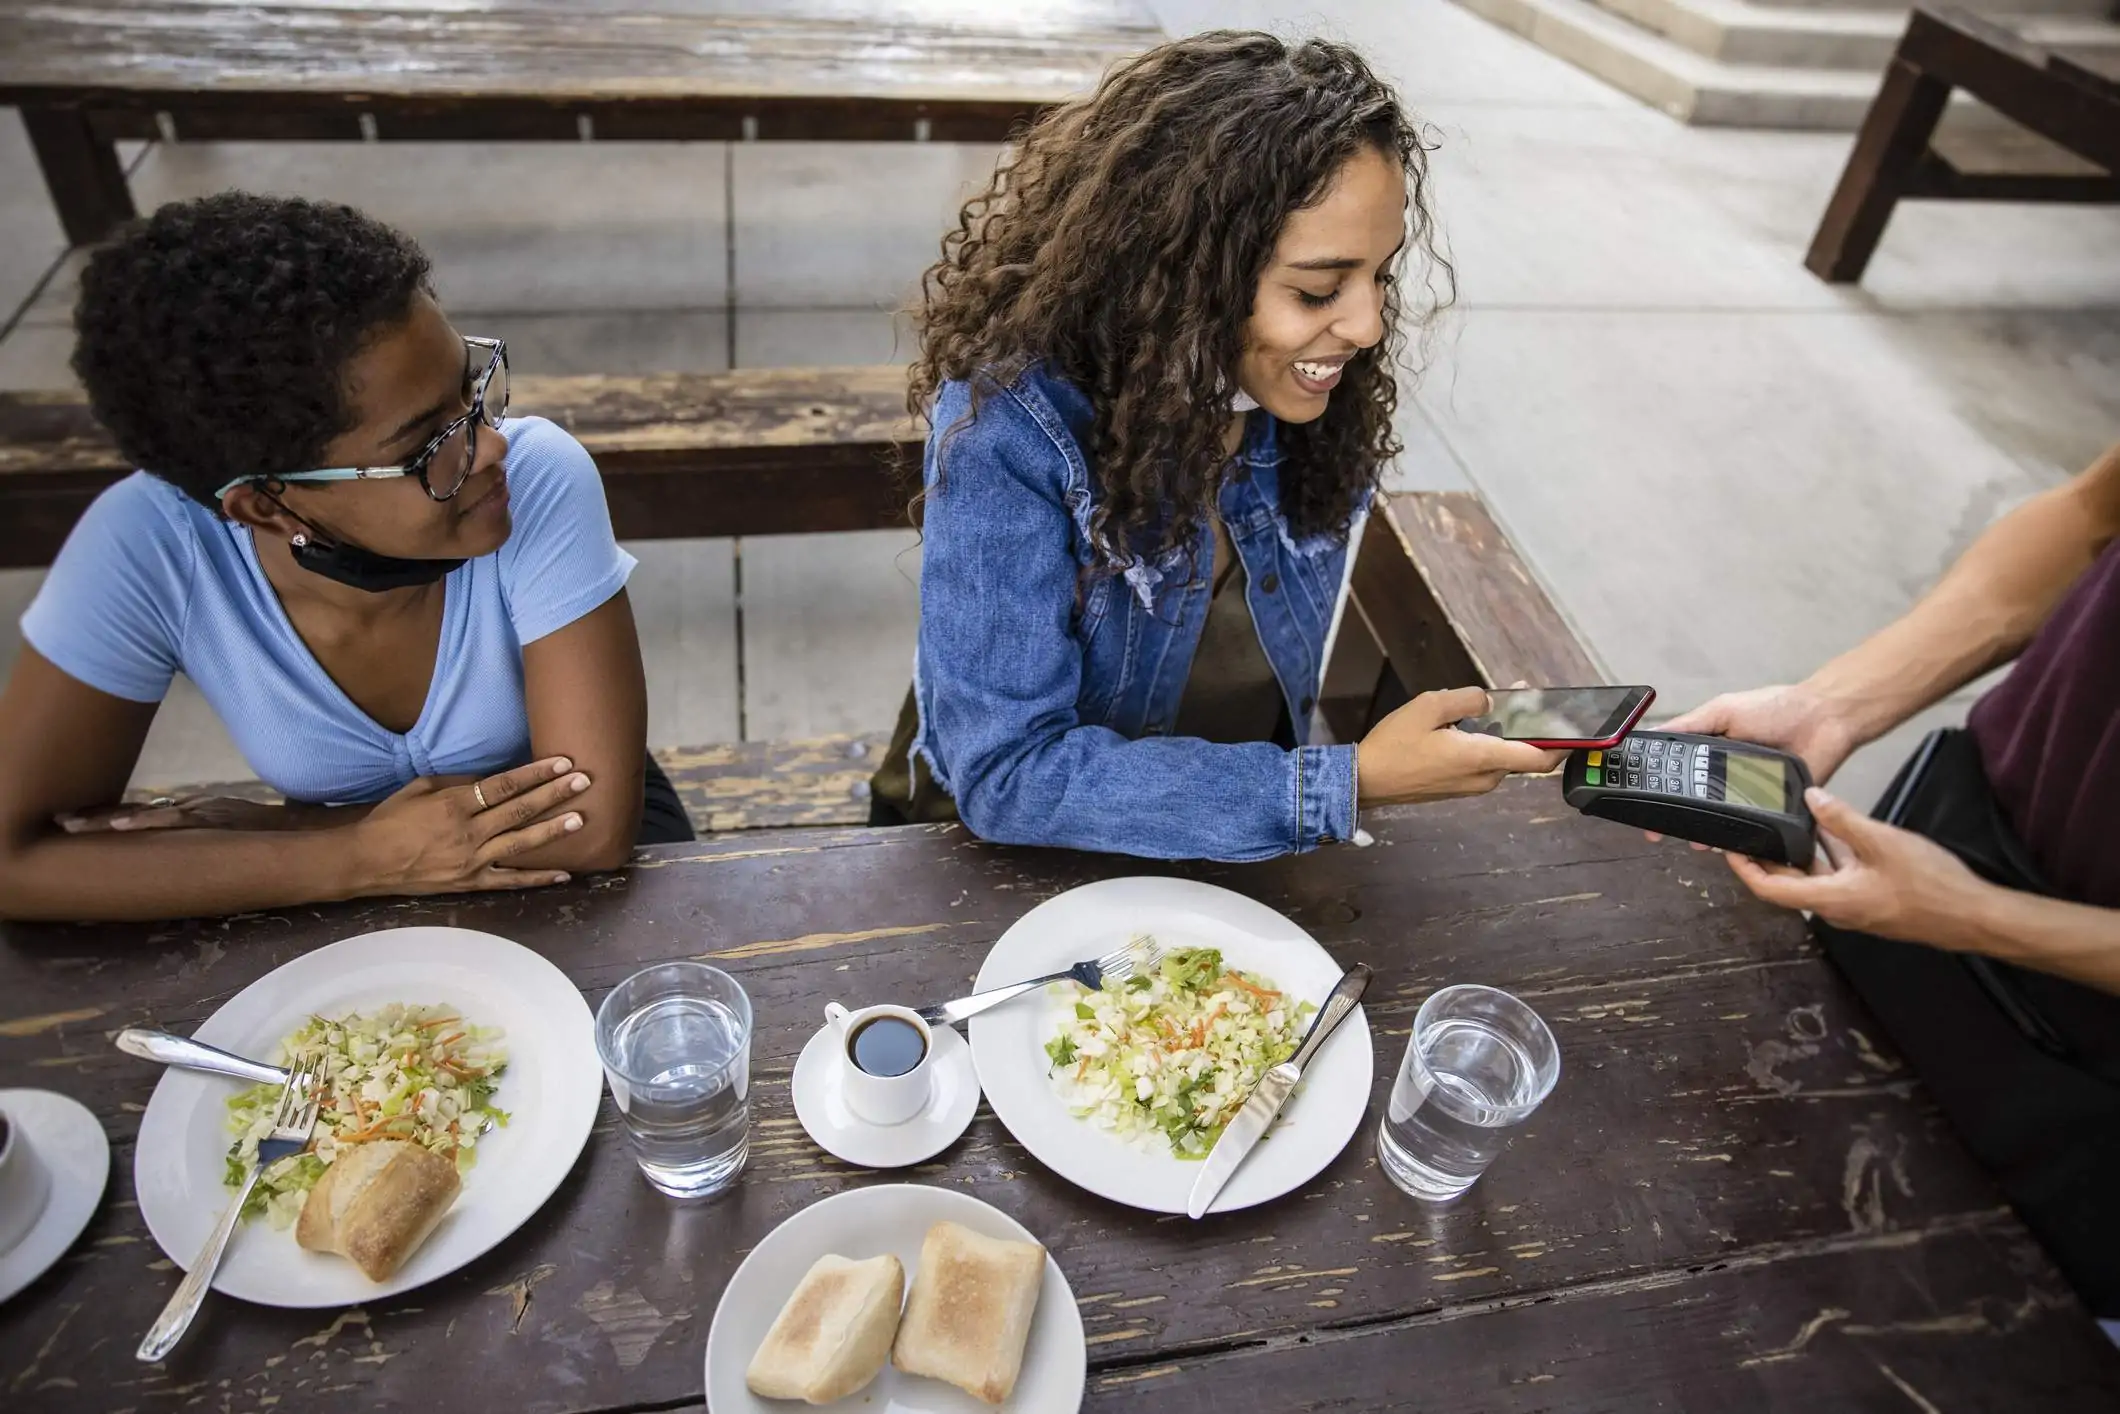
column 1046, row 690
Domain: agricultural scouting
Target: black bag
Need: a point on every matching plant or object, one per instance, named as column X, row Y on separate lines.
column 2025, row 1066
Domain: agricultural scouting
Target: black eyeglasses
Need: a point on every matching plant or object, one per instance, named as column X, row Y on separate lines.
column 489, row 405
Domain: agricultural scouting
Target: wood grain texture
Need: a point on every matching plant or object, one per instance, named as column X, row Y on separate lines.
column 755, row 452
column 1892, row 1323
column 2065, row 100
column 1725, row 1104
column 738, row 785
column 1452, row 603
column 225, row 56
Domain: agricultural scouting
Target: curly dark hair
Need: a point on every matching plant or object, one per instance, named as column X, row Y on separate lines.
column 213, row 337
column 1121, row 243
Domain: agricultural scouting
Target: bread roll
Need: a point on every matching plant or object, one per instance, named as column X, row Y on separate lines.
column 970, row 1313
column 834, row 1334
column 376, row 1203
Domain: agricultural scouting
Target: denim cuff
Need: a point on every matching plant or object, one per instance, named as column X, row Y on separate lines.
column 1325, row 795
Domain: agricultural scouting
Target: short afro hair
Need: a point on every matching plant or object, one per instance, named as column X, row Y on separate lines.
column 213, row 337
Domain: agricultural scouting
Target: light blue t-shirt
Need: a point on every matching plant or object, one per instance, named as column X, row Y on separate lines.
column 150, row 582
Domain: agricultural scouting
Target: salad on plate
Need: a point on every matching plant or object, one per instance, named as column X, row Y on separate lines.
column 1168, row 1057
column 421, row 1074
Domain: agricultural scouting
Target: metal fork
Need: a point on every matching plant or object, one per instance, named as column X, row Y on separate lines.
column 291, row 1128
column 1142, row 954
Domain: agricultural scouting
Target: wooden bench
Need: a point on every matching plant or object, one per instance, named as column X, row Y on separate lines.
column 759, row 452
column 737, row 785
column 87, row 76
column 1440, row 598
column 2065, row 145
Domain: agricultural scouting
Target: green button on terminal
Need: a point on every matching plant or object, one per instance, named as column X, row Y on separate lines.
column 1593, row 776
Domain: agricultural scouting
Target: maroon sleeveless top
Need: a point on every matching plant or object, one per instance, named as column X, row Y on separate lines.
column 2049, row 737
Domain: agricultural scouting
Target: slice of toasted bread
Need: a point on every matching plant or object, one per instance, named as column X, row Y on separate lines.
column 969, row 1316
column 834, row 1334
column 376, row 1204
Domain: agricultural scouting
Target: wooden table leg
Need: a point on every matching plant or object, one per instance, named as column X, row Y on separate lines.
column 86, row 181
column 1894, row 136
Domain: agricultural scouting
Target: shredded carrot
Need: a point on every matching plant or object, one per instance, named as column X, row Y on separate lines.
column 1200, row 1031
column 436, row 1021
column 375, row 1131
column 452, row 1036
column 1261, row 992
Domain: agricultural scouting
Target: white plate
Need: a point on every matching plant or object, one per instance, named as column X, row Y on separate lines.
column 550, row 1090
column 69, row 1142
column 868, row 1222
column 820, row 1103
column 1008, row 1043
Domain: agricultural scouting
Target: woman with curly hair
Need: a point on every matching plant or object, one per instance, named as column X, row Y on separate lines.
column 1157, row 358
column 407, row 609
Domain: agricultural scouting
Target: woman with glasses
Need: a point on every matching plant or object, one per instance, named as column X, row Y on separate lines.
column 407, row 609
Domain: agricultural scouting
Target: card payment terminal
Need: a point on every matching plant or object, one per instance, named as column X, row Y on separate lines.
column 1707, row 789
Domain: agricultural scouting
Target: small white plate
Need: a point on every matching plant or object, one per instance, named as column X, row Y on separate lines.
column 868, row 1222
column 1008, row 1043
column 550, row 1091
column 69, row 1142
column 821, row 1105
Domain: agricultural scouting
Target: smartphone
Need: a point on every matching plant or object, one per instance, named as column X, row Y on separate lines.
column 1562, row 718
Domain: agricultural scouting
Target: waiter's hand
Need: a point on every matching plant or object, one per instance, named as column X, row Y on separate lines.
column 1871, row 877
column 1796, row 719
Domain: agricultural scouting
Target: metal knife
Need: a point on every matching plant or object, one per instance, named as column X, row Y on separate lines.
column 1272, row 1091
column 187, row 1054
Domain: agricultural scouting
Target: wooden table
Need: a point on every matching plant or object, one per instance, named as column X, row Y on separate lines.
column 88, row 73
column 2061, row 141
column 1737, row 1198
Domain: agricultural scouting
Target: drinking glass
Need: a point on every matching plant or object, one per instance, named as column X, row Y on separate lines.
column 675, row 1040
column 1478, row 1063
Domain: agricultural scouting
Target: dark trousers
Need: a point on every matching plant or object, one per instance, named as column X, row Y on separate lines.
column 2025, row 1066
column 662, row 815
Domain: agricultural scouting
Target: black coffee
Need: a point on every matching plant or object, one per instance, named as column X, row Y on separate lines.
column 887, row 1045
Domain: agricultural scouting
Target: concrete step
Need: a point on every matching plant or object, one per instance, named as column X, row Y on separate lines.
column 2080, row 9
column 1693, row 77
column 1687, row 84
column 1786, row 35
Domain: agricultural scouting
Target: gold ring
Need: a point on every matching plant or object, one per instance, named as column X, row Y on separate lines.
column 478, row 793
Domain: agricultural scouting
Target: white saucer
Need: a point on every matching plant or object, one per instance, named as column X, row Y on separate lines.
column 70, row 1144
column 820, row 1103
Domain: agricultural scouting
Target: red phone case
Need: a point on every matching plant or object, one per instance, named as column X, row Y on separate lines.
column 1612, row 740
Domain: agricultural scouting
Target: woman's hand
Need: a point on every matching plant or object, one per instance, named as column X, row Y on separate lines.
column 1797, row 719
column 1871, row 877
column 1417, row 753
column 436, row 838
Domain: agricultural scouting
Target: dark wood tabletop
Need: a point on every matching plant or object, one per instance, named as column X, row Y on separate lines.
column 89, row 74
column 576, row 50
column 1738, row 1198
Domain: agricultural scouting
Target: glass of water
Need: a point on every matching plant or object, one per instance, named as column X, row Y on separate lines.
column 1479, row 1063
column 675, row 1041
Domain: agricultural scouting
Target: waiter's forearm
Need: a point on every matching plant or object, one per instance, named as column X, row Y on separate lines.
column 1983, row 611
column 2072, row 940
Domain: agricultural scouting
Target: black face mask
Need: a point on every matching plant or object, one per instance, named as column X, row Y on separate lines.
column 364, row 569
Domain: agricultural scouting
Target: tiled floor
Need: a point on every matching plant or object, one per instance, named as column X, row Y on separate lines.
column 1724, row 470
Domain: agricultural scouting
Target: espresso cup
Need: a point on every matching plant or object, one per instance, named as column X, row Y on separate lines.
column 884, row 1077
column 24, row 1184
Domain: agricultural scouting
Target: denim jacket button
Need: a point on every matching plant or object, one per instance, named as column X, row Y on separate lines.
column 1271, row 583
